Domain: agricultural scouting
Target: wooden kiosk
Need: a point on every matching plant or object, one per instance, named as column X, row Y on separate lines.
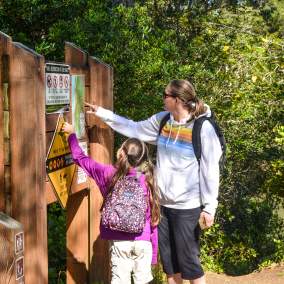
column 25, row 135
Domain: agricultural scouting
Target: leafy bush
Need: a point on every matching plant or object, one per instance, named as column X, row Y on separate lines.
column 233, row 53
column 56, row 244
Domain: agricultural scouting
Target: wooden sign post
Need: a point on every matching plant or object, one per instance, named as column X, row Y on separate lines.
column 22, row 170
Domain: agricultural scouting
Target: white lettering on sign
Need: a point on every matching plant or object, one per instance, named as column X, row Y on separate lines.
column 19, row 242
column 19, row 267
column 56, row 68
column 57, row 84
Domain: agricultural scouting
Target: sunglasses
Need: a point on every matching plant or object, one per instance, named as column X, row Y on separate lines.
column 165, row 95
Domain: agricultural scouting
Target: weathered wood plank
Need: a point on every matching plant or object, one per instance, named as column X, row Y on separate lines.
column 27, row 125
column 5, row 43
column 78, row 203
column 101, row 149
column 51, row 120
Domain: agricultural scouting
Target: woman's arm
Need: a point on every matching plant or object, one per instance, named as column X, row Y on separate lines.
column 99, row 172
column 209, row 168
column 146, row 130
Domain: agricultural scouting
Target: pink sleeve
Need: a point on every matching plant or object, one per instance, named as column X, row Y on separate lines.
column 154, row 241
column 99, row 172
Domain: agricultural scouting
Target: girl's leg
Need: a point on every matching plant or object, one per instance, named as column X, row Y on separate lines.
column 142, row 257
column 121, row 262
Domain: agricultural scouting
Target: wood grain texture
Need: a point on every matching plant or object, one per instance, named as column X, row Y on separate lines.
column 101, row 149
column 27, row 135
column 78, row 204
column 5, row 46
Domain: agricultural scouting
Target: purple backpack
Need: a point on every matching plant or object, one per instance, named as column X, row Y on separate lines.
column 125, row 206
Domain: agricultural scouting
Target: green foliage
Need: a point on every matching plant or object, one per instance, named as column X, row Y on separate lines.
column 225, row 255
column 56, row 244
column 159, row 276
column 275, row 181
column 233, row 53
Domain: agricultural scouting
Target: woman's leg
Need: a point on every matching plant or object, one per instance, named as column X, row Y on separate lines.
column 200, row 280
column 167, row 246
column 186, row 235
column 179, row 245
column 174, row 279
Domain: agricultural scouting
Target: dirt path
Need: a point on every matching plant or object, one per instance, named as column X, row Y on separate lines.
column 273, row 275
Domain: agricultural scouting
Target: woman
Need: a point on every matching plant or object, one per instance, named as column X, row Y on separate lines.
column 188, row 189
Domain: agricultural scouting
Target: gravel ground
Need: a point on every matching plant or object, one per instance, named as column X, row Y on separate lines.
column 273, row 275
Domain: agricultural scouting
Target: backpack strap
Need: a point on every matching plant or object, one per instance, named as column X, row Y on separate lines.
column 196, row 137
column 163, row 122
column 222, row 141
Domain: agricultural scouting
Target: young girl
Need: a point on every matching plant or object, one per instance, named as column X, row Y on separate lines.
column 131, row 253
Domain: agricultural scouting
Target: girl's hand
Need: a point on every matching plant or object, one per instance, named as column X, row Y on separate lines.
column 68, row 128
column 93, row 108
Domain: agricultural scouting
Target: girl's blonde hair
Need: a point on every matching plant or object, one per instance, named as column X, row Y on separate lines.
column 134, row 153
column 185, row 91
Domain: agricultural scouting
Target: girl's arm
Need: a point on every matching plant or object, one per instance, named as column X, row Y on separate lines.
column 99, row 172
column 154, row 241
column 154, row 229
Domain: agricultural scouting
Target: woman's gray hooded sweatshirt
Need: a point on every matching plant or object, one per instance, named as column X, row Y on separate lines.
column 182, row 183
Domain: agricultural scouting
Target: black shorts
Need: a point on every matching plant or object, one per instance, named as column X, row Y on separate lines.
column 179, row 248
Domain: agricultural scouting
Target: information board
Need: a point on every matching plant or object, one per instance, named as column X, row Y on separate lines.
column 57, row 87
column 60, row 167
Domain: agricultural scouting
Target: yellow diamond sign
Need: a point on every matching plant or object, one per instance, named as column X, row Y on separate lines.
column 60, row 167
